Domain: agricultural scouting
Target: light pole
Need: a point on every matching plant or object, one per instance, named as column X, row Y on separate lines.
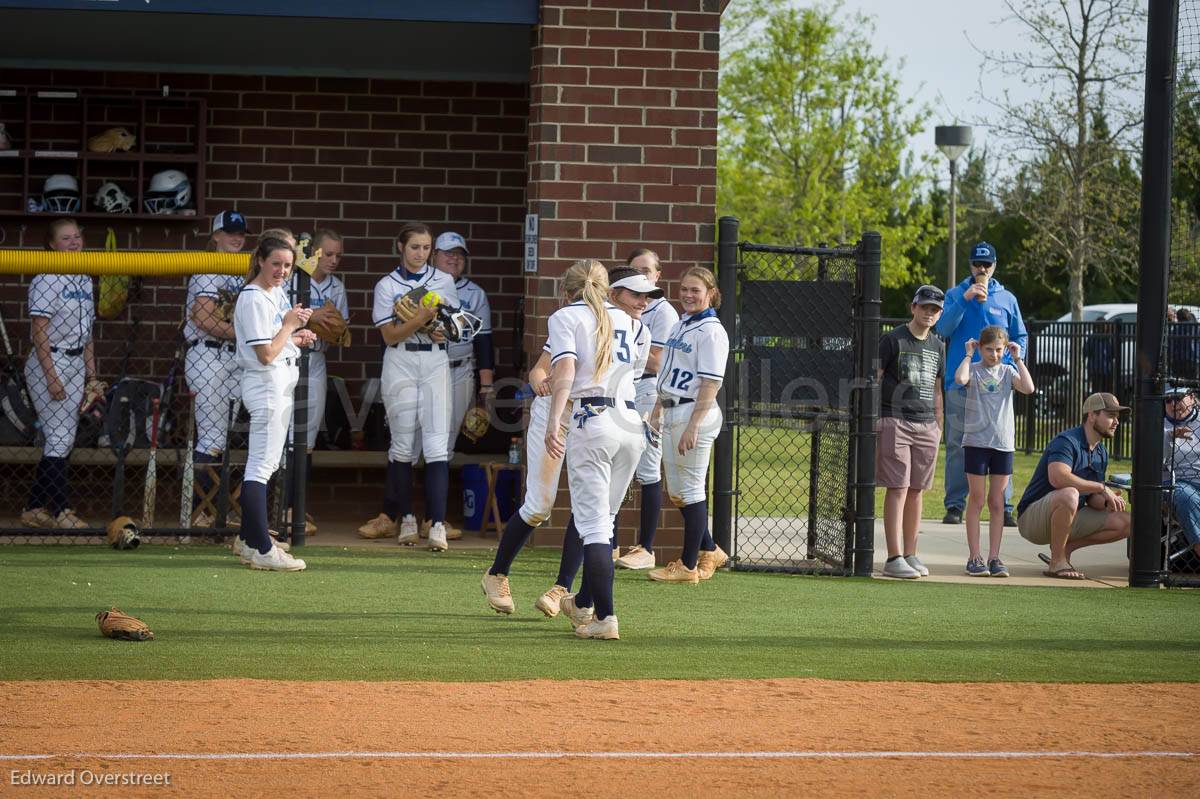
column 953, row 141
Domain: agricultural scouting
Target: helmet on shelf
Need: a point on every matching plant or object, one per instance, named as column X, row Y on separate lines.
column 60, row 194
column 169, row 191
column 111, row 199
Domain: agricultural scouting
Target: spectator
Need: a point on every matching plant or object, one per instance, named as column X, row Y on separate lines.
column 1067, row 504
column 1183, row 344
column 1181, row 445
column 977, row 302
column 912, row 363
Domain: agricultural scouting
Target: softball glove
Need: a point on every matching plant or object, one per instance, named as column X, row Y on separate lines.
column 329, row 325
column 117, row 624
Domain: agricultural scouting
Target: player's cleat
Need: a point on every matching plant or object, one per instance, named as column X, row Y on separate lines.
column 277, row 541
column 38, row 517
column 437, row 538
column 406, row 531
column 275, row 561
column 548, row 603
column 709, row 562
column 675, row 572
column 452, row 532
column 915, row 562
column 636, row 557
column 67, row 520
column 495, row 588
column 601, row 629
column 243, row 551
column 381, row 526
column 575, row 616
column 900, row 569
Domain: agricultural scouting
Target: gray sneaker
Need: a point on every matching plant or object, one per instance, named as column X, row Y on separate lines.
column 977, row 568
column 997, row 568
column 915, row 562
column 900, row 569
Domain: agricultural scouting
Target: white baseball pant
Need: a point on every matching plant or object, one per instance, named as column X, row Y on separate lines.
column 59, row 418
column 687, row 475
column 267, row 395
column 213, row 375
column 462, row 394
column 649, row 468
column 602, row 456
column 542, row 472
column 416, row 393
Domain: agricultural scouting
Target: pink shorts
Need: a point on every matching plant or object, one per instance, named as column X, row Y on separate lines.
column 906, row 453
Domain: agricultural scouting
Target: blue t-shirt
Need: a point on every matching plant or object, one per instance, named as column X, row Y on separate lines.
column 1069, row 447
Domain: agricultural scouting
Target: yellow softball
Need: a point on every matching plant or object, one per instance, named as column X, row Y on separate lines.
column 431, row 299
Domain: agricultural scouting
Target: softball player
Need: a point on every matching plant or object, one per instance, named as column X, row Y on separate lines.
column 269, row 335
column 596, row 349
column 659, row 317
column 210, row 364
column 416, row 391
column 688, row 382
column 61, row 312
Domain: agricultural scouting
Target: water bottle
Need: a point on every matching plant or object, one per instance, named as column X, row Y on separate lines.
column 514, row 451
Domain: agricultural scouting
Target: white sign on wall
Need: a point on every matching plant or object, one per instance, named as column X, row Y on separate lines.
column 531, row 242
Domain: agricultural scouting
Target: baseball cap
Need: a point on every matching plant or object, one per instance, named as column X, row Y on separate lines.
column 1102, row 401
column 929, row 295
column 449, row 241
column 230, row 222
column 983, row 253
column 639, row 284
column 1172, row 391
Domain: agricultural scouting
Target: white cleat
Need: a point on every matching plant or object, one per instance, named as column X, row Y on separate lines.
column 437, row 538
column 408, row 531
column 601, row 629
column 275, row 561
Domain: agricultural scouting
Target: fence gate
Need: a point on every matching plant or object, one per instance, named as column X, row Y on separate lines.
column 801, row 407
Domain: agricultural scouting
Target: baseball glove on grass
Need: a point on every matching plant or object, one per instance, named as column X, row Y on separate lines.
column 123, row 533
column 476, row 423
column 329, row 325
column 410, row 304
column 119, row 625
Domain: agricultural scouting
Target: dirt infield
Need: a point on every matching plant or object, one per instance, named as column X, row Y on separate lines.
column 774, row 737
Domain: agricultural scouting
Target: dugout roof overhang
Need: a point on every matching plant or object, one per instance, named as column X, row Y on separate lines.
column 442, row 40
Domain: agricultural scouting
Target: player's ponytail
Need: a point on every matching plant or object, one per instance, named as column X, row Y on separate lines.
column 587, row 280
column 705, row 276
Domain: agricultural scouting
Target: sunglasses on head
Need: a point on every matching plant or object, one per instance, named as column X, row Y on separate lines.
column 931, row 294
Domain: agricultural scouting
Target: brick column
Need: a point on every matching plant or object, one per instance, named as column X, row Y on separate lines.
column 622, row 154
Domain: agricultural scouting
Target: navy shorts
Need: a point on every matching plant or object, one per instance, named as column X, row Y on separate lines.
column 981, row 460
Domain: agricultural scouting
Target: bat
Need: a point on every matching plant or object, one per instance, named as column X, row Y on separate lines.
column 118, row 437
column 151, row 469
column 185, row 499
column 25, row 418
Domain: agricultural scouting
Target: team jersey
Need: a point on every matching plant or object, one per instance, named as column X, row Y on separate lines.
column 66, row 300
column 206, row 286
column 399, row 282
column 660, row 316
column 257, row 318
column 330, row 291
column 696, row 348
column 573, row 335
column 474, row 300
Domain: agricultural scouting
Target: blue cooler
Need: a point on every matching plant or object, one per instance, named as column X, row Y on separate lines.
column 474, row 485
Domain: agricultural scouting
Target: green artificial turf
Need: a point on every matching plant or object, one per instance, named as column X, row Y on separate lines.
column 413, row 615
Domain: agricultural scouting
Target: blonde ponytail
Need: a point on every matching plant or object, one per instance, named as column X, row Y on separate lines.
column 587, row 280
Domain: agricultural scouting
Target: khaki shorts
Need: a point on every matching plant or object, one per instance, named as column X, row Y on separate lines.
column 1034, row 522
column 906, row 453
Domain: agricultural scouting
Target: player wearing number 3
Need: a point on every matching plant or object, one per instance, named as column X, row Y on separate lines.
column 688, row 381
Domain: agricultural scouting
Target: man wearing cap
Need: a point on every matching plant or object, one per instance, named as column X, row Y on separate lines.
column 1067, row 504
column 977, row 302
column 912, row 364
column 1181, row 446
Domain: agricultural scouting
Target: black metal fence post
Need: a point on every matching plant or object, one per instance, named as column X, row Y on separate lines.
column 727, row 239
column 869, row 257
column 299, row 464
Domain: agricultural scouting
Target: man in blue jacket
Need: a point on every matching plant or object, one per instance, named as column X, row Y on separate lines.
column 977, row 302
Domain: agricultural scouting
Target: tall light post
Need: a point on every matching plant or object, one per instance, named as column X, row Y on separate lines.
column 953, row 141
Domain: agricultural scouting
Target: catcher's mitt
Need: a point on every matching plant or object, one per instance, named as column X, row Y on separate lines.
column 476, row 423
column 123, row 533
column 406, row 307
column 117, row 624
column 93, row 397
column 226, row 303
column 329, row 325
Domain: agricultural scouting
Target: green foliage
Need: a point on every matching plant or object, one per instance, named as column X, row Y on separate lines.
column 1184, row 285
column 813, row 129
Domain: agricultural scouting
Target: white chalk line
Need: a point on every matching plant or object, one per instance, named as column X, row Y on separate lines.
column 568, row 755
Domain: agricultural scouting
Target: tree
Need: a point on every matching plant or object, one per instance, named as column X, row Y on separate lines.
column 812, row 136
column 1075, row 186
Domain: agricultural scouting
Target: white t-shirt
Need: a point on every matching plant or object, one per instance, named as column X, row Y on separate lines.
column 573, row 335
column 697, row 347
column 400, row 281
column 257, row 318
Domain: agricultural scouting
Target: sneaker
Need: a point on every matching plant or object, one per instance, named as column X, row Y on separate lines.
column 709, row 562
column 548, row 603
column 242, row 550
column 452, row 532
column 1009, row 519
column 636, row 557
column 576, row 616
column 997, row 568
column 406, row 531
column 977, row 568
column 437, row 538
column 915, row 562
column 275, row 561
column 381, row 526
column 953, row 516
column 600, row 629
column 899, row 569
column 495, row 588
column 67, row 520
column 675, row 572
column 38, row 517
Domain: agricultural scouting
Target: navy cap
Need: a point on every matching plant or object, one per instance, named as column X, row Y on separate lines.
column 230, row 222
column 983, row 253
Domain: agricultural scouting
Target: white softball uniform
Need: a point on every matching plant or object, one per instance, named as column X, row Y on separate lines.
column 697, row 348
column 210, row 366
column 266, row 389
column 542, row 472
column 462, row 362
column 416, row 372
column 606, row 438
column 66, row 302
column 332, row 290
column 659, row 317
